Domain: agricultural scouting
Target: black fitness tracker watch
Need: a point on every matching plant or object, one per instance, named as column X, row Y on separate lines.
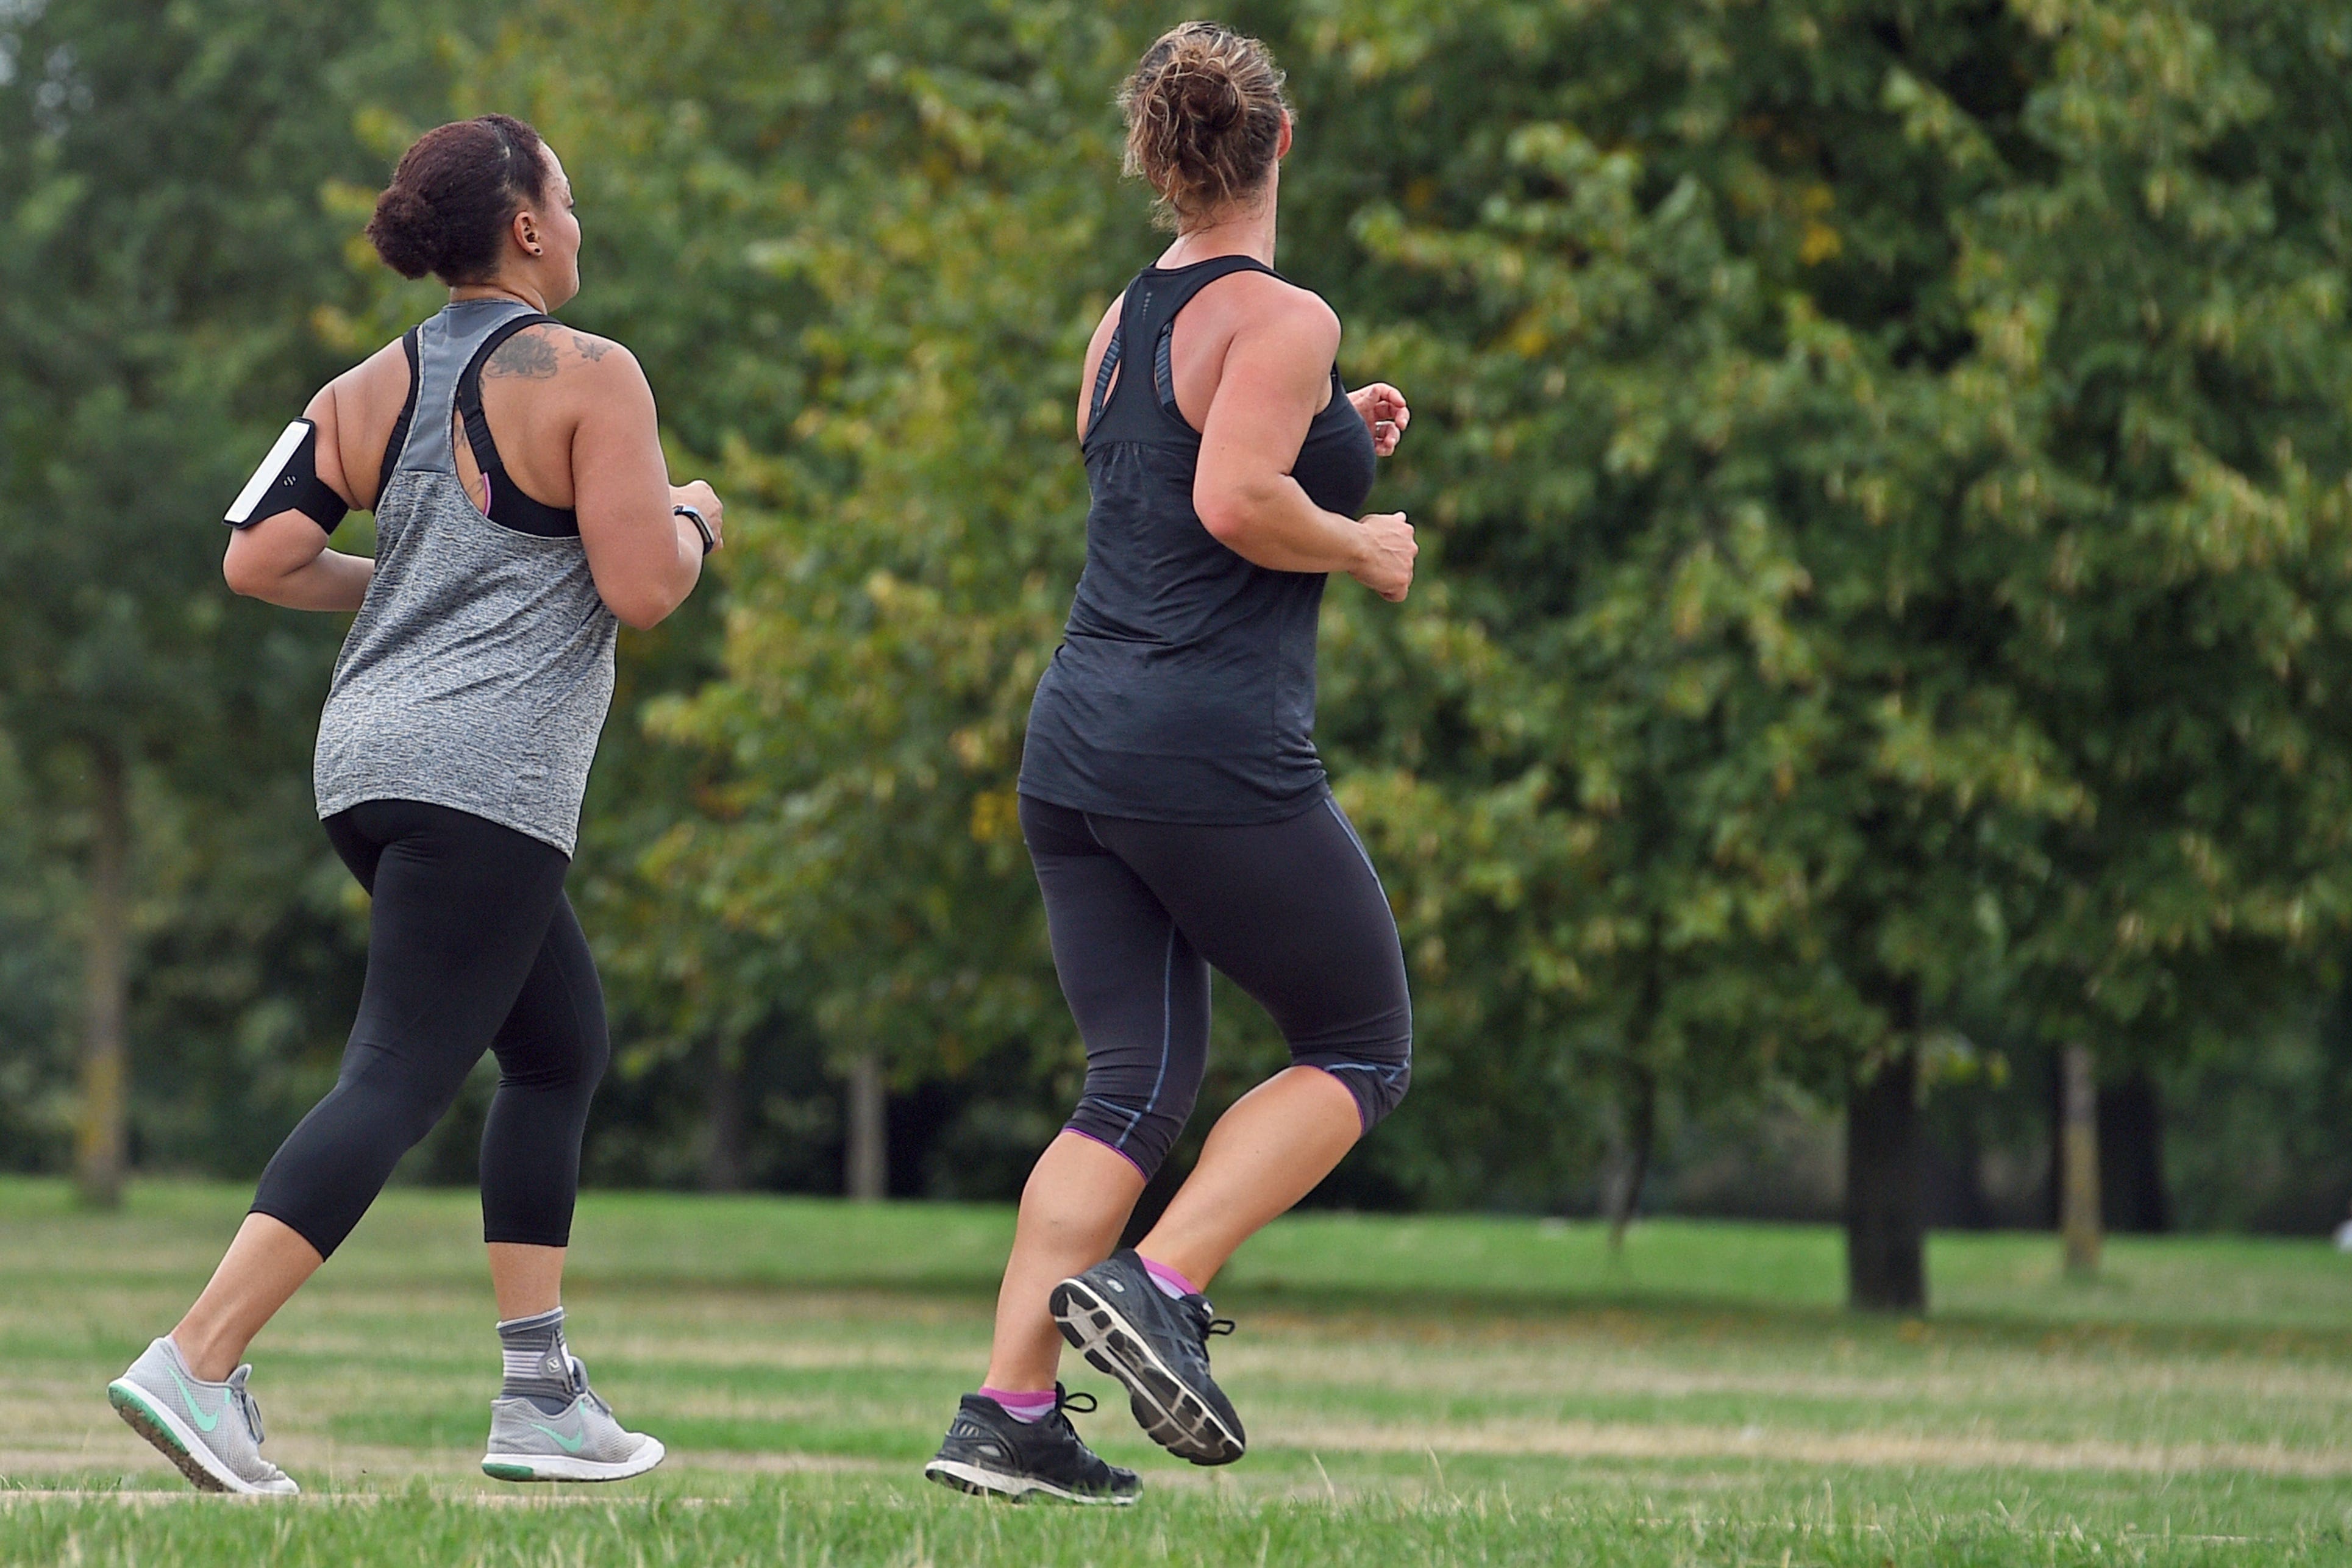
column 709, row 539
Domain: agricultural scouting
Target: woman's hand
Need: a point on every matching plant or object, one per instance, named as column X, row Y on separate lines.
column 1385, row 414
column 1385, row 559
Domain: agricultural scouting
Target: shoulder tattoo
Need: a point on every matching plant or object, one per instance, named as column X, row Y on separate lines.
column 527, row 355
column 589, row 348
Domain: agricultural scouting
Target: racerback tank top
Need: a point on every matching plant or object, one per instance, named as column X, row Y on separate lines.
column 479, row 670
column 1184, row 687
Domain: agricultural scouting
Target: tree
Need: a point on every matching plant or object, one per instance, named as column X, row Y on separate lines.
column 162, row 245
column 2161, row 315
column 911, row 220
column 1699, row 478
column 1888, row 452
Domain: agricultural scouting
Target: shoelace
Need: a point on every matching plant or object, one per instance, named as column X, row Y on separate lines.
column 1064, row 1403
column 580, row 1389
column 245, row 1403
column 1212, row 1325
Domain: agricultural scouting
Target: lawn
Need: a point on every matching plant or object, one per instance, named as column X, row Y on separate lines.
column 1418, row 1391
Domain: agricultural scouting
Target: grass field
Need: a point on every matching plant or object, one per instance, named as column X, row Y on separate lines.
column 1422, row 1391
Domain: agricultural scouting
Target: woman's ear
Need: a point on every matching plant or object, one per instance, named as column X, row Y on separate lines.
column 1281, row 148
column 525, row 233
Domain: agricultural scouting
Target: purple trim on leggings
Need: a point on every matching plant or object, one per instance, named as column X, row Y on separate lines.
column 1112, row 1147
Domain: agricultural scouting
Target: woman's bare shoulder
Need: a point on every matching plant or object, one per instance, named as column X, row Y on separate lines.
column 371, row 393
column 1260, row 303
column 384, row 371
column 546, row 351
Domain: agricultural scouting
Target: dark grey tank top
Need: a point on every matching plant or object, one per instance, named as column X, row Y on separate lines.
column 480, row 667
column 1184, row 687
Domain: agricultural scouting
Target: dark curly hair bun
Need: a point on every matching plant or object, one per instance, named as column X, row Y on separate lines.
column 453, row 194
column 1204, row 115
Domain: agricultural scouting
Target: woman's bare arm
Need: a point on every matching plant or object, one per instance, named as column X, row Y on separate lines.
column 645, row 560
column 1272, row 384
column 284, row 559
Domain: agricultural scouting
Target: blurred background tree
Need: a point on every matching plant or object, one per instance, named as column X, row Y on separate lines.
column 163, row 250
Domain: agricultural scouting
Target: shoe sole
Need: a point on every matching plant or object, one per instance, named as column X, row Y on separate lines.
column 1169, row 1413
column 188, row 1453
column 986, row 1483
column 564, row 1468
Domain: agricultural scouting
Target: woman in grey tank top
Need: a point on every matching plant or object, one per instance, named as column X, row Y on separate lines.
column 522, row 513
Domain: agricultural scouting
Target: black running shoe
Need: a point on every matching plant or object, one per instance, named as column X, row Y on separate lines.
column 989, row 1454
column 1159, row 1347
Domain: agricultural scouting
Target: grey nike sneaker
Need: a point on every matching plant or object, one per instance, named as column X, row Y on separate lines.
column 574, row 1441
column 1157, row 1346
column 989, row 1454
column 212, row 1431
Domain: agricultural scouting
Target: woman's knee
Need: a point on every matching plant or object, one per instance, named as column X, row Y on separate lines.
column 1142, row 1128
column 561, row 1052
column 571, row 1079
column 1377, row 1081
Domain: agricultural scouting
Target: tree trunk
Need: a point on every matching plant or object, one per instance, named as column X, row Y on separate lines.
column 1641, row 1136
column 2078, row 1214
column 722, row 1121
column 99, row 1135
column 865, row 1153
column 1886, row 1242
column 2133, row 1196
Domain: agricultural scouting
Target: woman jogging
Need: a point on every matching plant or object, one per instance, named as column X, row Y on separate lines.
column 1173, row 802
column 522, row 512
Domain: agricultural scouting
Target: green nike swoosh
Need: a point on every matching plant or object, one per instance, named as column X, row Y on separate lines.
column 569, row 1445
column 203, row 1423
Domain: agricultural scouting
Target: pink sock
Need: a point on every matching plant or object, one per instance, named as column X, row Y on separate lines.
column 1023, row 1407
column 1170, row 1283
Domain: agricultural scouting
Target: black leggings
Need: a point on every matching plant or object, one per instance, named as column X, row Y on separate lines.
column 1291, row 911
column 471, row 946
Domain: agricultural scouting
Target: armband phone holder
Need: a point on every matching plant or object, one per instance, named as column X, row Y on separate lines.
column 288, row 480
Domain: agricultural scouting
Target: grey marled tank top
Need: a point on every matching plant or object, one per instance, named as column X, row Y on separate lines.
column 480, row 667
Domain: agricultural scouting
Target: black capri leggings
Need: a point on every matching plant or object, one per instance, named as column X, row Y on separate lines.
column 1291, row 911
column 471, row 946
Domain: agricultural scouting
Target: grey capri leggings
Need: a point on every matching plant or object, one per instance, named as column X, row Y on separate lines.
column 1291, row 911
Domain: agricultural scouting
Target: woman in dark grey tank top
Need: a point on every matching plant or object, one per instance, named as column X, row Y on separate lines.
column 1174, row 805
column 522, row 512
column 1184, row 687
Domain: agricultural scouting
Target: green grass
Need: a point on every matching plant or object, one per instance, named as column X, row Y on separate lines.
column 1421, row 1391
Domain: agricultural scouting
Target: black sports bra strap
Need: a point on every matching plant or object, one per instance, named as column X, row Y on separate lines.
column 508, row 505
column 469, row 392
column 1163, row 368
column 1148, row 315
column 1103, row 373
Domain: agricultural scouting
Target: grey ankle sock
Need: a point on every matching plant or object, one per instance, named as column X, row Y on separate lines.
column 539, row 1363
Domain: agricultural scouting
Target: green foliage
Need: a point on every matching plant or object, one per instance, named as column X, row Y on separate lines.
column 1882, row 466
column 163, row 251
column 922, row 209
column 1888, row 493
